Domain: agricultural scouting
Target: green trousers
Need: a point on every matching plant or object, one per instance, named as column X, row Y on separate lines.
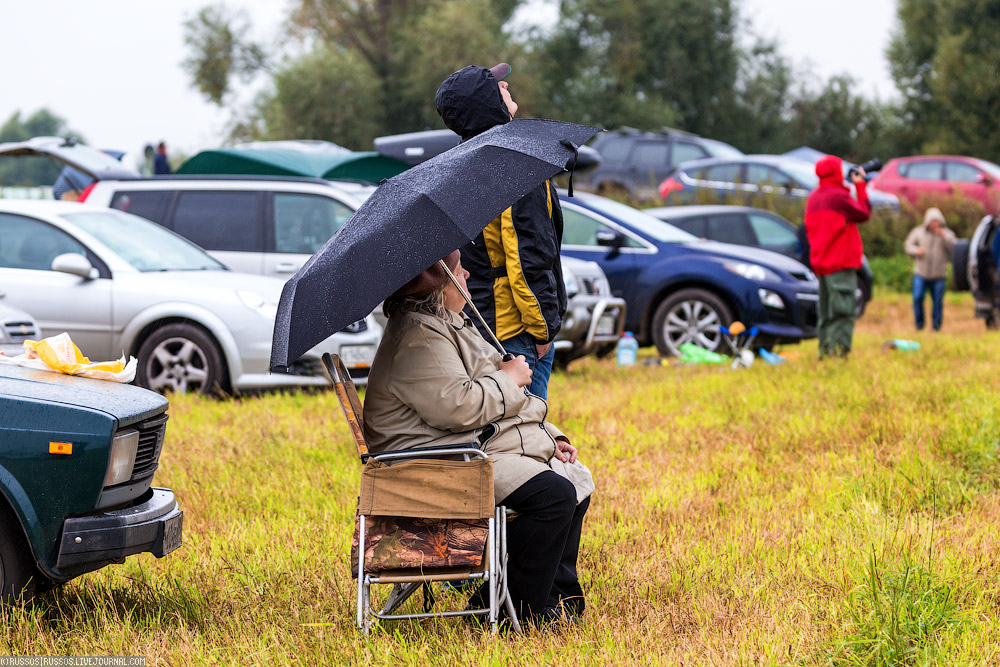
column 837, row 303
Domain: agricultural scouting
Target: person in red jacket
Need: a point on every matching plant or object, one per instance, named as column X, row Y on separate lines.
column 831, row 222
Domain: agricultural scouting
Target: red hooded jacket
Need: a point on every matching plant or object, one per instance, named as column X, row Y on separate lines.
column 832, row 218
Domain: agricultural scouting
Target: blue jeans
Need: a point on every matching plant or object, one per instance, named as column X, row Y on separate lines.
column 541, row 368
column 921, row 286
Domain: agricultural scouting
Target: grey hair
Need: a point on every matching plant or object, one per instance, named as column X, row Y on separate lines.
column 432, row 304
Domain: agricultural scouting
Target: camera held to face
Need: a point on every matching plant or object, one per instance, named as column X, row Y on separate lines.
column 871, row 166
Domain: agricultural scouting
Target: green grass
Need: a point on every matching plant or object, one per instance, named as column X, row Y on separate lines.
column 808, row 514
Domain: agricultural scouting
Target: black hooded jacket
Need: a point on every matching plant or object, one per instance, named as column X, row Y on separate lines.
column 515, row 277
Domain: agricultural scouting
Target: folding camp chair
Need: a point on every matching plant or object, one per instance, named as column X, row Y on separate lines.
column 420, row 512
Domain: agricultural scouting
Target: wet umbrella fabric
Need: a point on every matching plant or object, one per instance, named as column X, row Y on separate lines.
column 411, row 221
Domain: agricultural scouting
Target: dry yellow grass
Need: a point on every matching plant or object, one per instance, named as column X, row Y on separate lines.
column 809, row 514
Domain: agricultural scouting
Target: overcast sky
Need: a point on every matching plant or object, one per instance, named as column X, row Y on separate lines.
column 112, row 67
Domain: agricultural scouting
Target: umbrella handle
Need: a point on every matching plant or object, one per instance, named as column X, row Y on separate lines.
column 507, row 356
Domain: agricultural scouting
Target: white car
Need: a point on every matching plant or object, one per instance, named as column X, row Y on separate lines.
column 120, row 284
column 16, row 326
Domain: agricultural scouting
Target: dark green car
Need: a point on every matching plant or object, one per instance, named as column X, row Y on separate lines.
column 77, row 458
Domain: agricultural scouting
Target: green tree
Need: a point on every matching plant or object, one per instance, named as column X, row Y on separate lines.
column 326, row 94
column 369, row 67
column 944, row 61
column 32, row 170
column 220, row 49
column 645, row 62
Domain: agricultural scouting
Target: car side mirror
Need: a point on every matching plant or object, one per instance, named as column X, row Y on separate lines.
column 983, row 179
column 610, row 239
column 77, row 265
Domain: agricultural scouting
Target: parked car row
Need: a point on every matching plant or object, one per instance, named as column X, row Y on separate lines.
column 744, row 178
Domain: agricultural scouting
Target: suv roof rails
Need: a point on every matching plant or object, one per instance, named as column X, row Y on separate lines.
column 674, row 130
column 232, row 177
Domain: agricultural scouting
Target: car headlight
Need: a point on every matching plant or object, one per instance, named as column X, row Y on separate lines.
column 572, row 284
column 254, row 301
column 123, row 449
column 771, row 299
column 752, row 271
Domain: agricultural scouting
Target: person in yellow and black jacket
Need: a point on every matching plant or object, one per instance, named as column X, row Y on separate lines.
column 516, row 277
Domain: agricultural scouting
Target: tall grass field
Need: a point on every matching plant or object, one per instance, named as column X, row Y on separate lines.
column 815, row 513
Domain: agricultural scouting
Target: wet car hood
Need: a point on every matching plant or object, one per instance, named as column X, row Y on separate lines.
column 203, row 286
column 771, row 260
column 124, row 402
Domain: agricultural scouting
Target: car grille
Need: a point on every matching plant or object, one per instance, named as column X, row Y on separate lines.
column 803, row 276
column 308, row 366
column 147, row 455
column 19, row 331
column 358, row 327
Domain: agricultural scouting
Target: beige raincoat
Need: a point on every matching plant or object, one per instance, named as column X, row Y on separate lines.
column 435, row 381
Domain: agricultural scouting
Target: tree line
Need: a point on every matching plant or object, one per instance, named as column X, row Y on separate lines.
column 350, row 70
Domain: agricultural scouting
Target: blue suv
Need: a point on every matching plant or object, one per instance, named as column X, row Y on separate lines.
column 678, row 288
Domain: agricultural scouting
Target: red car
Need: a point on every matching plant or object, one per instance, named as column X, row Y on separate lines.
column 910, row 177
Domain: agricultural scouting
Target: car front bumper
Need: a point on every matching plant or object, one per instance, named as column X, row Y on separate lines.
column 90, row 542
column 581, row 332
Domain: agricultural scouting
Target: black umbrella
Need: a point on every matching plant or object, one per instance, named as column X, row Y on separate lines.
column 414, row 219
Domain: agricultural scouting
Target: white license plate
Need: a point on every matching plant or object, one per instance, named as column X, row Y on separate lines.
column 355, row 356
column 606, row 324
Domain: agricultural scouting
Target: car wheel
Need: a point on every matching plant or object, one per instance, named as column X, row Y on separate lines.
column 689, row 316
column 19, row 577
column 960, row 265
column 181, row 358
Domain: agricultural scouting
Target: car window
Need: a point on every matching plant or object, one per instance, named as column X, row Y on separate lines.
column 961, row 172
column 684, row 151
column 651, row 154
column 694, row 226
column 992, row 169
column 303, row 223
column 26, row 243
column 801, row 173
column 772, row 234
column 762, row 174
column 928, row 171
column 221, row 220
column 729, row 228
column 143, row 244
column 615, row 150
column 580, row 229
column 151, row 205
column 724, row 173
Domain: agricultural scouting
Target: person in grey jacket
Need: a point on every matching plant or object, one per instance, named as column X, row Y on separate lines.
column 930, row 246
column 436, row 381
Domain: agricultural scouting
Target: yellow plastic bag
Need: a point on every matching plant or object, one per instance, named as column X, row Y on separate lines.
column 59, row 353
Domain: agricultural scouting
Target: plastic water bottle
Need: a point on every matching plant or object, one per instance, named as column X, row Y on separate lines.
column 627, row 349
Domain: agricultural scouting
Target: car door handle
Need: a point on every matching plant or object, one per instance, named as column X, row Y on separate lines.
column 285, row 267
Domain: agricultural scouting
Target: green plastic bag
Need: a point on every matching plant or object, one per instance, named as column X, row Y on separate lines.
column 692, row 354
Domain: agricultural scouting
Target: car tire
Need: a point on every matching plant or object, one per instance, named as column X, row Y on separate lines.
column 181, row 357
column 690, row 316
column 19, row 578
column 960, row 265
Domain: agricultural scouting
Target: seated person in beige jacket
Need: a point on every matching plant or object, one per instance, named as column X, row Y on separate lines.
column 436, row 381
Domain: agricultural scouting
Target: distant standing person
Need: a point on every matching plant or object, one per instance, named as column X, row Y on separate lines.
column 516, row 277
column 160, row 163
column 930, row 246
column 835, row 251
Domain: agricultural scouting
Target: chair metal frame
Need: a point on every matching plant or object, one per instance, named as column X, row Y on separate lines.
column 406, row 582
